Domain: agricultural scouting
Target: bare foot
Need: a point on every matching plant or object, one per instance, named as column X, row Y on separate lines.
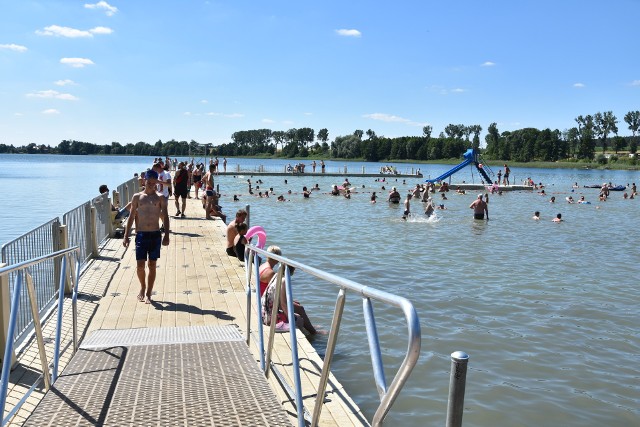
column 147, row 300
column 141, row 296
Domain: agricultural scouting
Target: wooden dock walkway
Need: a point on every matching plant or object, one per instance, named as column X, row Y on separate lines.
column 197, row 286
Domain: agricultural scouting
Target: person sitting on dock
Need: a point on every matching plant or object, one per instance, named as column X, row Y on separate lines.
column 148, row 208
column 265, row 271
column 240, row 241
column 301, row 319
column 241, row 216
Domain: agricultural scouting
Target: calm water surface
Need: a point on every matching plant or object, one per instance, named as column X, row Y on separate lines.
column 547, row 312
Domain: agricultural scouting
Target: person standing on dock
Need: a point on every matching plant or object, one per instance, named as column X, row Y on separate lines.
column 507, row 171
column 479, row 207
column 148, row 208
column 180, row 188
column 322, row 165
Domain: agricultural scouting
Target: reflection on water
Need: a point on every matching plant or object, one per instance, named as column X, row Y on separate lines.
column 547, row 312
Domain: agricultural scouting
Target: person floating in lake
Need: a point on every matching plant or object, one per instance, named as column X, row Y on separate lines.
column 479, row 207
column 335, row 191
column 536, row 215
column 570, row 200
column 305, row 193
column 558, row 218
column 147, row 208
column 373, row 197
column 553, row 199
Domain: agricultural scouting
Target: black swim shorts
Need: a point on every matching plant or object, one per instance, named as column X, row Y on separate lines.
column 478, row 216
column 181, row 192
column 148, row 243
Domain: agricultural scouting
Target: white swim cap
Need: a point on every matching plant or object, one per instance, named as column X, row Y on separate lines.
column 480, row 196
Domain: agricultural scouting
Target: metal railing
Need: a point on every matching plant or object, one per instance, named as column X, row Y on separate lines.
column 38, row 242
column 22, row 273
column 102, row 205
column 388, row 394
column 47, row 238
column 78, row 222
column 126, row 190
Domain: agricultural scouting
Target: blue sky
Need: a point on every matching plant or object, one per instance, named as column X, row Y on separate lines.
column 132, row 71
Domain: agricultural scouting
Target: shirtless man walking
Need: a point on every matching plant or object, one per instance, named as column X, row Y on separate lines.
column 479, row 207
column 232, row 232
column 147, row 208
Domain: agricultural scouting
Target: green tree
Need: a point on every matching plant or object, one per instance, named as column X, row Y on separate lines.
column 603, row 125
column 586, row 144
column 633, row 120
column 323, row 135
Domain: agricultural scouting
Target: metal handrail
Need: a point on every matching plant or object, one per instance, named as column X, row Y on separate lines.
column 15, row 305
column 389, row 394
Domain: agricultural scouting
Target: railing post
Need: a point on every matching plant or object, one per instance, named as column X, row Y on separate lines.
column 457, row 382
column 5, row 310
column 94, row 234
column 247, row 221
column 64, row 244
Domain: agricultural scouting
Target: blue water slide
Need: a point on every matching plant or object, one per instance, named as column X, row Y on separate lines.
column 469, row 156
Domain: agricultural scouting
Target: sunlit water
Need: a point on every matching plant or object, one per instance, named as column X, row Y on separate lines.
column 547, row 312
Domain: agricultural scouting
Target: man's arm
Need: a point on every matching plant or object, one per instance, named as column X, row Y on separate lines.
column 132, row 215
column 165, row 221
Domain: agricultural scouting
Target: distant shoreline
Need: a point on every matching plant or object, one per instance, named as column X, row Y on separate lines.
column 492, row 163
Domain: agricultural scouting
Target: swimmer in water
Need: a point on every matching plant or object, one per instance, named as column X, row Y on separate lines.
column 536, row 215
column 558, row 218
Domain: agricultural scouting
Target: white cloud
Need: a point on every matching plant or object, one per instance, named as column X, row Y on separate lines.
column 458, row 90
column 76, row 62
column 204, row 101
column 349, row 33
column 390, row 118
column 578, row 85
column 18, row 114
column 308, row 114
column 52, row 94
column 487, row 64
column 213, row 114
column 65, row 82
column 233, row 115
column 635, row 83
column 13, row 47
column 109, row 10
column 101, row 30
column 187, row 113
column 268, row 121
column 58, row 31
column 51, row 111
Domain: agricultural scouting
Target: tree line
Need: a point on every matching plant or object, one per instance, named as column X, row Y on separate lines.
column 523, row 145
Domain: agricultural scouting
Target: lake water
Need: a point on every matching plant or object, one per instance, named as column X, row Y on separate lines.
column 547, row 312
